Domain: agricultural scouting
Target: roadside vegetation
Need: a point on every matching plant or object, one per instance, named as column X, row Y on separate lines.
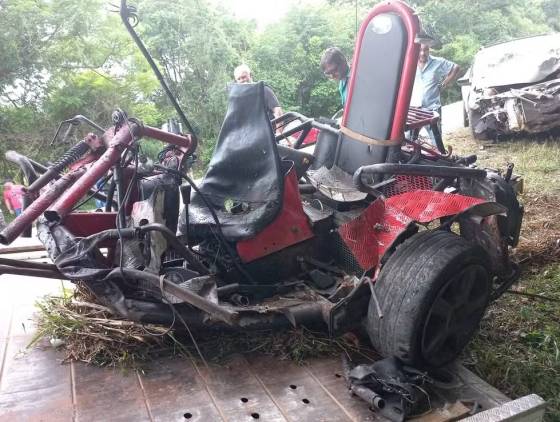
column 64, row 57
column 518, row 347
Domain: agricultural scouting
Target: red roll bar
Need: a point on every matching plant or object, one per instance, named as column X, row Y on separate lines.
column 117, row 145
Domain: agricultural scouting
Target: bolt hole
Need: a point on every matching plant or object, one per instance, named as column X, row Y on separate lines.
column 293, row 387
column 306, row 401
column 337, row 375
column 244, row 399
column 187, row 415
column 255, row 415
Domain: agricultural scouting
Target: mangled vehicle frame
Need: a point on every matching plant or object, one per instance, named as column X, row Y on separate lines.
column 372, row 230
column 514, row 87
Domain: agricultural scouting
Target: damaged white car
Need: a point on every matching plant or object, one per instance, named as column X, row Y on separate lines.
column 514, row 87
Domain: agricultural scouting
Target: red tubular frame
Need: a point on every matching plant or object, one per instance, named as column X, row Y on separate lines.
column 66, row 202
column 188, row 141
column 29, row 214
column 412, row 24
column 117, row 145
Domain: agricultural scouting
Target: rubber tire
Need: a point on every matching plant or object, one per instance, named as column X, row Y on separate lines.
column 407, row 286
column 473, row 118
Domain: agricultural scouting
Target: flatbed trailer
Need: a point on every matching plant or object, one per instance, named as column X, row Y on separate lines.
column 35, row 385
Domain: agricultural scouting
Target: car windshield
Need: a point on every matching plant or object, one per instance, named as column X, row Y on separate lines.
column 522, row 61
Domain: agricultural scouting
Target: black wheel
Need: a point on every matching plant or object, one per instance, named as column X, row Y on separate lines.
column 473, row 118
column 432, row 292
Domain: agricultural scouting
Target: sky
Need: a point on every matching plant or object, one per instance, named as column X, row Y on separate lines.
column 264, row 12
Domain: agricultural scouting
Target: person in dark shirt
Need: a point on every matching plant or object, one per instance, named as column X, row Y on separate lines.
column 242, row 75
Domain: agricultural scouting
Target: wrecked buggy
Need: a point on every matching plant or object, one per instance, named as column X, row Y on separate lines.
column 370, row 230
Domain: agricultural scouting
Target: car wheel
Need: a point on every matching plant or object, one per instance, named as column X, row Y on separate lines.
column 433, row 292
column 473, row 118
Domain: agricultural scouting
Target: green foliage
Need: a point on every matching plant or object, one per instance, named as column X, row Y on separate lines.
column 287, row 55
column 13, row 120
column 86, row 90
column 63, row 57
column 41, row 39
column 197, row 53
column 205, row 152
column 151, row 149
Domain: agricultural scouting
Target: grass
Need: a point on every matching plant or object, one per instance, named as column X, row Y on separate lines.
column 537, row 160
column 518, row 346
column 92, row 335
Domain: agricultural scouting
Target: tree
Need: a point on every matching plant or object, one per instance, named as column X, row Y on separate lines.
column 42, row 39
column 197, row 53
column 63, row 57
column 287, row 55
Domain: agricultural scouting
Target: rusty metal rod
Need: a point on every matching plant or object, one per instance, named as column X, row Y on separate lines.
column 32, row 272
column 63, row 206
column 40, row 169
column 188, row 142
column 123, row 138
column 27, row 264
column 26, row 218
column 22, row 249
column 211, row 308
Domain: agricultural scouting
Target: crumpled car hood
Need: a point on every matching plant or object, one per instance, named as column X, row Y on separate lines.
column 532, row 109
column 523, row 61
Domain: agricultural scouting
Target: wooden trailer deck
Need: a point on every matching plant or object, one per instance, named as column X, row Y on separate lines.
column 35, row 386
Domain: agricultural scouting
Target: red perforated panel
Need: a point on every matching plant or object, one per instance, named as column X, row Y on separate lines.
column 404, row 184
column 374, row 231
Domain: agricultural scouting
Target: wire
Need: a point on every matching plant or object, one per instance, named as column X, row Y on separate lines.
column 122, row 204
column 180, row 318
column 176, row 315
column 168, row 329
column 100, row 188
column 135, row 149
column 532, row 295
column 220, row 236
